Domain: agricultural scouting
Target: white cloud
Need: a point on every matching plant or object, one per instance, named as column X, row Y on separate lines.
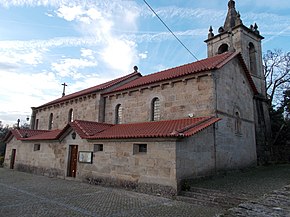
column 120, row 54
column 18, row 56
column 48, row 14
column 143, row 55
column 46, row 44
column 70, row 67
column 70, row 13
column 20, row 91
column 87, row 53
column 115, row 51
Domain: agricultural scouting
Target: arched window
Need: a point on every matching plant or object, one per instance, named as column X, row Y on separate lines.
column 70, row 115
column 155, row 109
column 36, row 124
column 223, row 48
column 252, row 56
column 238, row 123
column 50, row 122
column 118, row 114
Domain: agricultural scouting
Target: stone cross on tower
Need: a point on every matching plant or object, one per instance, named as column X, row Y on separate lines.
column 63, row 92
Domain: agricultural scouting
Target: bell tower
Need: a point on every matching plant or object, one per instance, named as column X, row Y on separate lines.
column 235, row 36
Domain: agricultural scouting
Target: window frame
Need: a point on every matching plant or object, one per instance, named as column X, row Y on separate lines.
column 36, row 147
column 140, row 148
column 71, row 115
column 98, row 148
column 118, row 114
column 50, row 121
column 155, row 109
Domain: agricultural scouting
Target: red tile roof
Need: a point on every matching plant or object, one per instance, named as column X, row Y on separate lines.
column 207, row 64
column 88, row 128
column 49, row 135
column 94, row 130
column 26, row 133
column 191, row 68
column 91, row 89
column 168, row 128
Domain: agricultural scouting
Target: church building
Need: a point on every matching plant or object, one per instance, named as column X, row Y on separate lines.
column 151, row 132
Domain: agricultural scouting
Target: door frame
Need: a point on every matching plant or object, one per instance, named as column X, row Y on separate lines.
column 12, row 158
column 72, row 161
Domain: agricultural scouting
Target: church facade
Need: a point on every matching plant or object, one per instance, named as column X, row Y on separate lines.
column 151, row 132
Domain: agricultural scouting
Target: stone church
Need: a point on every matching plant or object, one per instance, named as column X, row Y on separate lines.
column 151, row 132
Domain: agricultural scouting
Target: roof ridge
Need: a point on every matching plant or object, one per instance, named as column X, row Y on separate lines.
column 18, row 132
column 82, row 129
column 227, row 59
column 206, row 64
column 203, row 120
column 94, row 88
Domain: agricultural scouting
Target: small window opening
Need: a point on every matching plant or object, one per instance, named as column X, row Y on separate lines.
column 98, row 147
column 50, row 122
column 139, row 148
column 155, row 109
column 36, row 147
column 119, row 114
column 71, row 115
column 223, row 48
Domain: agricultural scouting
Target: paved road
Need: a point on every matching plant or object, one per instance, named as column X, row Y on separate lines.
column 23, row 194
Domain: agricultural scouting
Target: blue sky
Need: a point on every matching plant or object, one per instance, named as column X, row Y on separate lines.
column 44, row 43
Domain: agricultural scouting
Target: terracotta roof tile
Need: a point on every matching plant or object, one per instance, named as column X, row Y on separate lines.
column 91, row 89
column 94, row 130
column 88, row 128
column 26, row 133
column 49, row 135
column 168, row 128
column 191, row 68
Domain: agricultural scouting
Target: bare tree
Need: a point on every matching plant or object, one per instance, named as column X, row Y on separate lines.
column 276, row 71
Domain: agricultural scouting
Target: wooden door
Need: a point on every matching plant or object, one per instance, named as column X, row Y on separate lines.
column 12, row 160
column 72, row 160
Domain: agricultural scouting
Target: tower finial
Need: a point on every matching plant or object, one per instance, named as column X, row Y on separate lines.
column 210, row 32
column 232, row 18
column 231, row 4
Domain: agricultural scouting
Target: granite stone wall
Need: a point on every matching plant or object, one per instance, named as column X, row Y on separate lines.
column 189, row 96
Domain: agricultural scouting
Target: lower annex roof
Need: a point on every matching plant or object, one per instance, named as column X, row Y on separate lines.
column 159, row 129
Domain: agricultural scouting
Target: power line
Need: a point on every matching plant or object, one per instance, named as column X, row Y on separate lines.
column 170, row 30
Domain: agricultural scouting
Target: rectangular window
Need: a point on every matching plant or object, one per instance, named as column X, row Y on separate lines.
column 36, row 147
column 139, row 148
column 98, row 147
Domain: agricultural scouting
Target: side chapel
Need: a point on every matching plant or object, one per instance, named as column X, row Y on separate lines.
column 156, row 130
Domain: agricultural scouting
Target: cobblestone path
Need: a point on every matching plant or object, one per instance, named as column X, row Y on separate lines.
column 24, row 194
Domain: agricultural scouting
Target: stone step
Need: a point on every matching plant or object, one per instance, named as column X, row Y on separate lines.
column 202, row 196
column 220, row 200
column 218, row 193
column 197, row 201
column 287, row 188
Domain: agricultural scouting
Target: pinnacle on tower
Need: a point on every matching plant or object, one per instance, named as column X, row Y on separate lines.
column 233, row 17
